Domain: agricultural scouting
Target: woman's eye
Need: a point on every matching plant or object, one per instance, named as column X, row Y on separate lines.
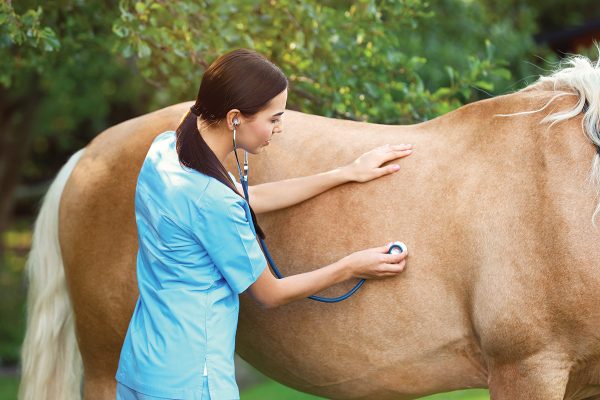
column 274, row 120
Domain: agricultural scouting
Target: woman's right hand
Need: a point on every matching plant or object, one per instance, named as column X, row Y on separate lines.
column 375, row 263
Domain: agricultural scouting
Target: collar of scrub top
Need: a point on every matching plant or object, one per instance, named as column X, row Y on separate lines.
column 244, row 182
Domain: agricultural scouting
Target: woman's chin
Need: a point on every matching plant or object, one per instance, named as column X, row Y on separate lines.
column 255, row 151
column 259, row 149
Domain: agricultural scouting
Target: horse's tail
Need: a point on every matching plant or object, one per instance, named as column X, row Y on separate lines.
column 51, row 366
column 580, row 77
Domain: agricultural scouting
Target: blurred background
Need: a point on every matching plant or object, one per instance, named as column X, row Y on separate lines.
column 71, row 68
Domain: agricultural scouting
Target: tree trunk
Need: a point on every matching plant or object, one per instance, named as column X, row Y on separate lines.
column 15, row 141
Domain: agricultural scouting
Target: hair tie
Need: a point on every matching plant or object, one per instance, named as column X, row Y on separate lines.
column 195, row 110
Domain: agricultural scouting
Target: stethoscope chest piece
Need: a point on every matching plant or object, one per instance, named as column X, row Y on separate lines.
column 397, row 248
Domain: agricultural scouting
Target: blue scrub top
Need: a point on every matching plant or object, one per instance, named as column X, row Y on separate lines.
column 197, row 251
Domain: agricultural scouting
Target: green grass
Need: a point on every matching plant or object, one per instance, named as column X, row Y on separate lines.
column 274, row 390
column 17, row 241
column 8, row 388
column 472, row 394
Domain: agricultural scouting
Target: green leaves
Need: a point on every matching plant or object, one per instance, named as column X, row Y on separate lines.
column 23, row 41
column 397, row 62
column 25, row 29
column 61, row 82
column 390, row 61
column 72, row 68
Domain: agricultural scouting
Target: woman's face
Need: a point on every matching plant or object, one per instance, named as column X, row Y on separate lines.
column 258, row 131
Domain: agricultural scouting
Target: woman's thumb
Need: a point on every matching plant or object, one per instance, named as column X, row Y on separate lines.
column 386, row 248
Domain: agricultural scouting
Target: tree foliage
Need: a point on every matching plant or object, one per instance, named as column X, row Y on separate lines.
column 75, row 68
column 348, row 60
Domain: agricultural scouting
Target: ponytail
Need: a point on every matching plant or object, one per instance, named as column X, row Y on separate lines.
column 242, row 79
column 196, row 154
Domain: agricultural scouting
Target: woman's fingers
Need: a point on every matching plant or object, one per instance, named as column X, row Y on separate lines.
column 398, row 152
column 395, row 147
column 401, row 153
column 394, row 258
column 373, row 160
column 390, row 264
column 388, row 169
column 392, row 269
column 399, row 147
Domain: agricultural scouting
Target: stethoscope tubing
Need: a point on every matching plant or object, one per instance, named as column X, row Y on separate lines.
column 244, row 182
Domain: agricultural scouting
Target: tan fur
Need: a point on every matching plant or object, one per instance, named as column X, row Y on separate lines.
column 502, row 284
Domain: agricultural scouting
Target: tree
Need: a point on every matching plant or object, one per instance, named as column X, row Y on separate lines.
column 62, row 85
column 79, row 67
column 346, row 60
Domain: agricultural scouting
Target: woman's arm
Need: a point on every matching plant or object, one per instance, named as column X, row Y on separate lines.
column 271, row 196
column 270, row 292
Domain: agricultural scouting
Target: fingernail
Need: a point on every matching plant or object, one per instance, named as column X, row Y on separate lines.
column 396, row 167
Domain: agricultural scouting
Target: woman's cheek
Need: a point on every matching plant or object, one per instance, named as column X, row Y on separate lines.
column 267, row 134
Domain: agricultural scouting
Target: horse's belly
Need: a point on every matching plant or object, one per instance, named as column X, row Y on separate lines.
column 386, row 341
column 399, row 337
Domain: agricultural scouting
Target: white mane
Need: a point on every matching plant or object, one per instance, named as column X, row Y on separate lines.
column 578, row 76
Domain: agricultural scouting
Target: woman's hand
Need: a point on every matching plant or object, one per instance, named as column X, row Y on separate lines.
column 375, row 263
column 367, row 166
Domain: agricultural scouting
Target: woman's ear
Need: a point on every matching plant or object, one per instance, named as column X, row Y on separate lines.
column 233, row 118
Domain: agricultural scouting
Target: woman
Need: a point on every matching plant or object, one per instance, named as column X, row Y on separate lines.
column 197, row 235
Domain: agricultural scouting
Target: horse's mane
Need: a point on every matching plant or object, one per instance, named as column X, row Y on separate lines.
column 578, row 76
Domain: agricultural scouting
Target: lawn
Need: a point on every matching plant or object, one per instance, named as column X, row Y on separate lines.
column 272, row 390
column 8, row 388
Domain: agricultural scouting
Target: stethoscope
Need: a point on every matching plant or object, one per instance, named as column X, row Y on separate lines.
column 395, row 247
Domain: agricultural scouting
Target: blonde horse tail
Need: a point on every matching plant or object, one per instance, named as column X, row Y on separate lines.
column 577, row 75
column 51, row 366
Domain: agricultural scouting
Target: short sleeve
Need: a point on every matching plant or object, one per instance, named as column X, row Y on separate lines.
column 224, row 230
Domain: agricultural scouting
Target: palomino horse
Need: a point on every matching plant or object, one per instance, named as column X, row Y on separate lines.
column 501, row 290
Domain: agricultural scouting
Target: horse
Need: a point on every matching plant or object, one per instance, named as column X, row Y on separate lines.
column 497, row 206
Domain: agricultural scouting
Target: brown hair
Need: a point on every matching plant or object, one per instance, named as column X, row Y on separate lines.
column 242, row 79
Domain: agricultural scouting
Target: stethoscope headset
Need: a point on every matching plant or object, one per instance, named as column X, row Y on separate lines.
column 395, row 247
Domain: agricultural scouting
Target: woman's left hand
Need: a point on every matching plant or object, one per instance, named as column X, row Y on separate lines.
column 367, row 166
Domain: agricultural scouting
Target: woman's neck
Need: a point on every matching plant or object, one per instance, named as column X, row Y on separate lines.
column 218, row 138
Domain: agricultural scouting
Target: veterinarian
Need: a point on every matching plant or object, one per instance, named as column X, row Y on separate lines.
column 197, row 235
